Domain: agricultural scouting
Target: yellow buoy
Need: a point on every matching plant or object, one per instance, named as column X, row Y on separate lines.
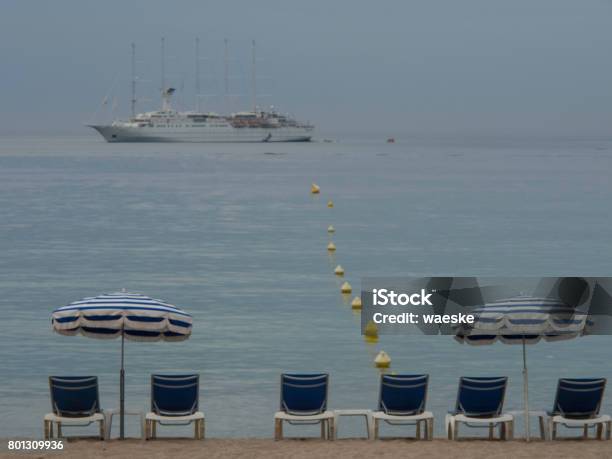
column 330, row 203
column 331, row 229
column 346, row 288
column 382, row 360
column 331, row 247
column 339, row 271
column 356, row 303
column 371, row 330
column 314, row 189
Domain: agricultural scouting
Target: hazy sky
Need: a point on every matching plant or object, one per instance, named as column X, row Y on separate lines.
column 420, row 66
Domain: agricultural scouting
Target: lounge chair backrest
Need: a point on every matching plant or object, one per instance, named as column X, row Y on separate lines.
column 74, row 396
column 481, row 396
column 403, row 395
column 304, row 394
column 579, row 398
column 175, row 395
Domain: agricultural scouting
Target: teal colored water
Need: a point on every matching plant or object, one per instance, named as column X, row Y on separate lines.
column 232, row 234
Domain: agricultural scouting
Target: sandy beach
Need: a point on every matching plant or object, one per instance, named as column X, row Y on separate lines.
column 260, row 448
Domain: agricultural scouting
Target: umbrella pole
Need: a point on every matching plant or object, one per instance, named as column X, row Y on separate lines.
column 526, row 392
column 122, row 391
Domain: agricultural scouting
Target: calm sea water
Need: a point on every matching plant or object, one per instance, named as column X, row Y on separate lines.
column 231, row 234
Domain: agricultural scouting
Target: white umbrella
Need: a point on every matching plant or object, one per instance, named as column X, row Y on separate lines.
column 523, row 320
column 128, row 315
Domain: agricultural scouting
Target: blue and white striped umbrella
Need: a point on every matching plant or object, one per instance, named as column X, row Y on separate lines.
column 524, row 320
column 126, row 315
column 139, row 317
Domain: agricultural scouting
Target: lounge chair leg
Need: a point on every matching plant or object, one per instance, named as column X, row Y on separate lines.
column 331, row 424
column 102, row 432
column 376, row 427
column 418, row 430
column 585, row 432
column 510, row 431
column 491, row 429
column 608, row 430
column 502, row 430
column 203, row 429
column 553, row 435
column 278, row 429
column 323, row 428
column 430, row 427
column 549, row 428
column 600, row 431
column 199, row 429
column 46, row 433
column 153, row 429
column 542, row 431
column 449, row 427
column 455, row 430
column 59, row 430
column 369, row 426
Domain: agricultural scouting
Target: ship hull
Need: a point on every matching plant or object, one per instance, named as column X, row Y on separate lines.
column 112, row 133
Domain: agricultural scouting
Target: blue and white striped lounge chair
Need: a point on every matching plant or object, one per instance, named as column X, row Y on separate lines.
column 402, row 401
column 303, row 400
column 577, row 404
column 480, row 401
column 174, row 401
column 75, row 401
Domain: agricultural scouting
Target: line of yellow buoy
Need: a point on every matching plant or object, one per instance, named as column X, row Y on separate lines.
column 382, row 359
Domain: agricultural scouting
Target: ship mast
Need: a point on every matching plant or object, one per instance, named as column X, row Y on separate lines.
column 166, row 93
column 254, row 78
column 197, row 75
column 163, row 66
column 226, row 77
column 133, row 101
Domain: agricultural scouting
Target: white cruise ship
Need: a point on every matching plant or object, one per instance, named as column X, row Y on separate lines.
column 170, row 125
